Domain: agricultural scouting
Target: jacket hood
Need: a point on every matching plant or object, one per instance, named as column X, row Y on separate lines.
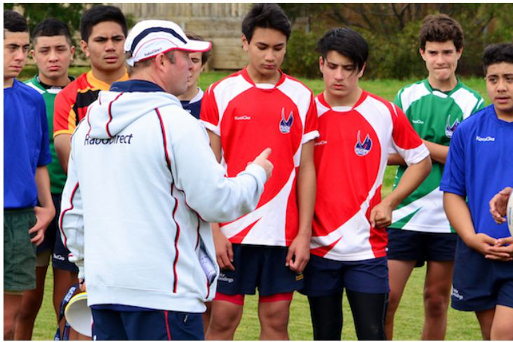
column 125, row 103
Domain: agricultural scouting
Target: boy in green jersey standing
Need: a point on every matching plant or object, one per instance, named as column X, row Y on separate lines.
column 420, row 230
column 53, row 52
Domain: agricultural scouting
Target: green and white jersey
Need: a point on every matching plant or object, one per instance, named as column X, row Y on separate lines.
column 434, row 115
column 57, row 175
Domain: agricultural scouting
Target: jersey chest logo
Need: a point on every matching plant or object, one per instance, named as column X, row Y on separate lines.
column 449, row 129
column 362, row 148
column 285, row 125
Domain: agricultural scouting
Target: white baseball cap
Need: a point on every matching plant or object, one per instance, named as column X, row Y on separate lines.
column 148, row 38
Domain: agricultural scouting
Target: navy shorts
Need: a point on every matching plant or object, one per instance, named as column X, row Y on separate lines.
column 54, row 243
column 146, row 325
column 478, row 283
column 261, row 267
column 325, row 277
column 420, row 246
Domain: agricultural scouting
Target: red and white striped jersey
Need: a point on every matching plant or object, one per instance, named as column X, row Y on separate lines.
column 350, row 158
column 249, row 118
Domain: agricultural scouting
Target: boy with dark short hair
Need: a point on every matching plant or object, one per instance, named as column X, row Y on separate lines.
column 348, row 245
column 191, row 100
column 53, row 52
column 483, row 266
column 28, row 206
column 420, row 231
column 103, row 30
column 269, row 247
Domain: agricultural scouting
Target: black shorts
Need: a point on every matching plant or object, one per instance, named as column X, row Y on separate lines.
column 53, row 241
column 261, row 267
column 420, row 246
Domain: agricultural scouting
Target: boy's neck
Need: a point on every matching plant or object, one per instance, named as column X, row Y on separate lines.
column 504, row 116
column 8, row 82
column 347, row 101
column 191, row 92
column 443, row 85
column 108, row 77
column 258, row 77
column 58, row 82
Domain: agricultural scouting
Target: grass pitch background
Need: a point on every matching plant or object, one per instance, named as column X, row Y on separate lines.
column 410, row 314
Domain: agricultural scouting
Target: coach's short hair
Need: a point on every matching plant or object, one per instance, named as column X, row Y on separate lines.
column 497, row 53
column 346, row 42
column 441, row 28
column 266, row 16
column 51, row 27
column 205, row 54
column 14, row 22
column 99, row 14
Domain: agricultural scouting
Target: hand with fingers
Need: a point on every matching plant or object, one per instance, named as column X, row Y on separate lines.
column 498, row 205
column 44, row 217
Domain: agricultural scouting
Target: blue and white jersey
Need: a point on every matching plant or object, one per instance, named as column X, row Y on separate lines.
column 479, row 165
column 193, row 106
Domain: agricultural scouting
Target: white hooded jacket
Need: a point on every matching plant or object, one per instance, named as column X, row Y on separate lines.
column 142, row 185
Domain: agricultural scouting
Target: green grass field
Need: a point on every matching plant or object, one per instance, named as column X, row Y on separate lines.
column 410, row 315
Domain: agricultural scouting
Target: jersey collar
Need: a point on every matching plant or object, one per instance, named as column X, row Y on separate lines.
column 136, row 86
column 362, row 98
column 98, row 84
column 244, row 73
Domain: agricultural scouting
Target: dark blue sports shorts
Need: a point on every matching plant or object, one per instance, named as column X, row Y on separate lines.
column 53, row 242
column 146, row 325
column 325, row 277
column 420, row 246
column 261, row 267
column 479, row 283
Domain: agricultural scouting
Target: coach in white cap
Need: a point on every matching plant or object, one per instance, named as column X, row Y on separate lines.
column 142, row 185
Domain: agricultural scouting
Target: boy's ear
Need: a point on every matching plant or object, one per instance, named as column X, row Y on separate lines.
column 245, row 43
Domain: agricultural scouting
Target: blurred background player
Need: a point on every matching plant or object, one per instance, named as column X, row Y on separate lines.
column 103, row 30
column 420, row 230
column 257, row 107
column 349, row 238
column 53, row 52
column 28, row 206
column 483, row 264
column 191, row 100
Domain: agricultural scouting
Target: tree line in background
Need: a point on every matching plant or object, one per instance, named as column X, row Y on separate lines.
column 391, row 29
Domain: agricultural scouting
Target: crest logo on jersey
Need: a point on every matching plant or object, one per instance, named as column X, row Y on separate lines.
column 363, row 148
column 286, row 124
column 449, row 129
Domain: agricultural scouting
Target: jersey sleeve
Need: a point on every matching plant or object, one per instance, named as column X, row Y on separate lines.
column 209, row 115
column 213, row 196
column 64, row 117
column 453, row 179
column 311, row 123
column 480, row 105
column 405, row 140
column 71, row 220
column 397, row 99
column 45, row 157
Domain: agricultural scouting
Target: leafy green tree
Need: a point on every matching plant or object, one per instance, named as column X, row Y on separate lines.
column 392, row 29
column 68, row 13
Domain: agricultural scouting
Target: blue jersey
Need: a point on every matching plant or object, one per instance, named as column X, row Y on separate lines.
column 194, row 106
column 479, row 165
column 25, row 144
